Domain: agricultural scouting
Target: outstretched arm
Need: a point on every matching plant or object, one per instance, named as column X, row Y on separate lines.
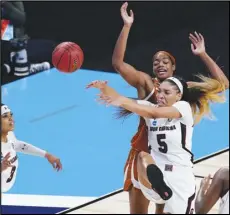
column 26, row 148
column 109, row 96
column 198, row 48
column 134, row 77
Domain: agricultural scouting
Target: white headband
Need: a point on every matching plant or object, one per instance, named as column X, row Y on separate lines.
column 5, row 109
column 177, row 82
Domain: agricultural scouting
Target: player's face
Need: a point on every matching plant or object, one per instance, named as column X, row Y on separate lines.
column 162, row 66
column 167, row 95
column 7, row 122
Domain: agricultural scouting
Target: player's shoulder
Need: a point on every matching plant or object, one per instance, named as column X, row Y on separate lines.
column 183, row 103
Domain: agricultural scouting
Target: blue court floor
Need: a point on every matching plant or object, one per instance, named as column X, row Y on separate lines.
column 55, row 112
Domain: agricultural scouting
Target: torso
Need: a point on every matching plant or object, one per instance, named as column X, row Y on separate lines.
column 8, row 176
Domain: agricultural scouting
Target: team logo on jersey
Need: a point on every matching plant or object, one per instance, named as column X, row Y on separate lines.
column 154, row 123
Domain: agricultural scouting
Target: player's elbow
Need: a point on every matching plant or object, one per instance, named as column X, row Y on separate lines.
column 117, row 64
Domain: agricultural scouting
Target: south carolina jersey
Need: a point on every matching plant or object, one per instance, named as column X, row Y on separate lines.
column 8, row 176
column 171, row 139
column 224, row 204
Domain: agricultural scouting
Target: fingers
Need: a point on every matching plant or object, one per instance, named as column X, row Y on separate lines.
column 196, row 37
column 131, row 14
column 58, row 165
column 192, row 47
column 193, row 39
column 7, row 156
column 103, row 99
column 124, row 6
column 96, row 84
column 201, row 36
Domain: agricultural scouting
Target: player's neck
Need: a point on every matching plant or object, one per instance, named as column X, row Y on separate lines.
column 4, row 138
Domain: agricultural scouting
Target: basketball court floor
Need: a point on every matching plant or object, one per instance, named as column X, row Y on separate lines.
column 117, row 202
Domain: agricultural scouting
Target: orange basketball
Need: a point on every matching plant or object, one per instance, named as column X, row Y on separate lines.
column 67, row 57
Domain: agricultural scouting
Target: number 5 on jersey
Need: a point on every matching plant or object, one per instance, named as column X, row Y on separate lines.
column 160, row 140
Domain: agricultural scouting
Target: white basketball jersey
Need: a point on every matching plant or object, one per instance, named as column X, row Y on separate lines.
column 171, row 139
column 224, row 204
column 8, row 176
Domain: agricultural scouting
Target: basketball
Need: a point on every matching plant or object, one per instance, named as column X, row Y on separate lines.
column 67, row 57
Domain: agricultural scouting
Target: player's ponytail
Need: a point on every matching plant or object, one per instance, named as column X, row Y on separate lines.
column 200, row 94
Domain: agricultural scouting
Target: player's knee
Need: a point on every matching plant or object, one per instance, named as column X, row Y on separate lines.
column 142, row 155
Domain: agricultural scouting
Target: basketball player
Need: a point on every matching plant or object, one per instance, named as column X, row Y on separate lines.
column 10, row 146
column 164, row 66
column 166, row 176
column 208, row 194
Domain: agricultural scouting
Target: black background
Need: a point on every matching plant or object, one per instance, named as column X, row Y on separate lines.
column 95, row 26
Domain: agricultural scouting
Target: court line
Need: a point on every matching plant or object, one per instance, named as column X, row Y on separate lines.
column 53, row 113
column 121, row 190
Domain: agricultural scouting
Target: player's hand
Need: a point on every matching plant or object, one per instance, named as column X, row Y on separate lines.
column 197, row 45
column 97, row 84
column 5, row 163
column 205, row 184
column 115, row 99
column 128, row 20
column 107, row 95
column 56, row 163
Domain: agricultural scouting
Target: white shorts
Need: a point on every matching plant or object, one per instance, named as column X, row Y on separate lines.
column 181, row 180
column 134, row 181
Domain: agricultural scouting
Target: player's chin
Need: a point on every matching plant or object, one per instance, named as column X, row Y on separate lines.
column 163, row 75
column 11, row 128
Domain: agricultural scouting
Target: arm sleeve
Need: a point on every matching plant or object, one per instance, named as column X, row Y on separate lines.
column 29, row 149
column 26, row 148
column 186, row 112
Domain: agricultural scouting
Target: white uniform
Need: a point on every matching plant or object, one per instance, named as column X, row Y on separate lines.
column 13, row 146
column 224, row 204
column 171, row 142
column 8, row 176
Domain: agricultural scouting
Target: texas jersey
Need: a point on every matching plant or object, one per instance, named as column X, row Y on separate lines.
column 171, row 139
column 8, row 176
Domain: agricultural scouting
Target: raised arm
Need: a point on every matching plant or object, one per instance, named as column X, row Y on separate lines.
column 134, row 77
column 198, row 49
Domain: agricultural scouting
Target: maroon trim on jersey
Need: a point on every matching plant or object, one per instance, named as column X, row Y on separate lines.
column 190, row 200
column 183, row 139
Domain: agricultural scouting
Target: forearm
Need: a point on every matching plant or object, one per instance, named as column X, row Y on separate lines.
column 120, row 47
column 141, row 110
column 199, row 203
column 29, row 149
column 214, row 69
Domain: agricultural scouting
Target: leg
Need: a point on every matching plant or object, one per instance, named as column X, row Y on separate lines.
column 151, row 177
column 137, row 201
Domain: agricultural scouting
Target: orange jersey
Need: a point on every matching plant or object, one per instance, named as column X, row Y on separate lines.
column 140, row 139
